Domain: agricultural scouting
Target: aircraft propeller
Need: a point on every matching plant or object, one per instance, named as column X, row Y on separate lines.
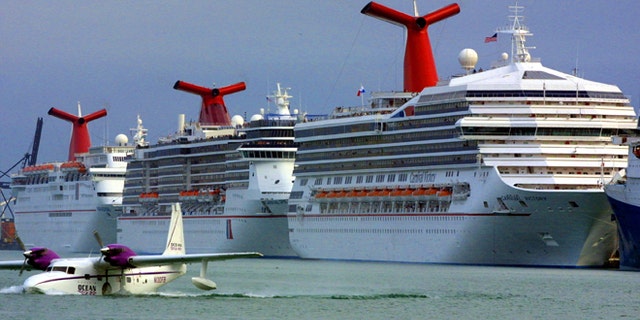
column 98, row 238
column 24, row 249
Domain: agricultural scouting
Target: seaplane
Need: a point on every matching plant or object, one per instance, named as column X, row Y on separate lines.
column 118, row 269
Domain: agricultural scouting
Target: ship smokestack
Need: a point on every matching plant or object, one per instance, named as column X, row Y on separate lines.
column 419, row 64
column 213, row 110
column 181, row 123
column 80, row 140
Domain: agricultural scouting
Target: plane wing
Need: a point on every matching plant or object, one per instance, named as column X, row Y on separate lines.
column 154, row 260
column 13, row 265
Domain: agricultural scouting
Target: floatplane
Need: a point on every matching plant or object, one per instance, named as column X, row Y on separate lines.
column 118, row 269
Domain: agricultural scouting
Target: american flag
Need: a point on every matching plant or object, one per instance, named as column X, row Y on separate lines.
column 493, row 38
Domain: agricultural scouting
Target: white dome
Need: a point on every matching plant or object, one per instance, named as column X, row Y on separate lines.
column 504, row 56
column 468, row 58
column 122, row 140
column 256, row 117
column 237, row 120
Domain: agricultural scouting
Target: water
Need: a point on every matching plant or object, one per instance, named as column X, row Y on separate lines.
column 302, row 289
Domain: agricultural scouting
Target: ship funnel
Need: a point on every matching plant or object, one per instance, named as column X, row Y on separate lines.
column 419, row 64
column 80, row 140
column 213, row 110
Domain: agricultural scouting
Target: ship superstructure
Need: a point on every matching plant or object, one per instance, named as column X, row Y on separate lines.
column 232, row 177
column 500, row 167
column 61, row 204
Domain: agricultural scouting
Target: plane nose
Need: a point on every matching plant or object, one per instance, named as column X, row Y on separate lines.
column 31, row 285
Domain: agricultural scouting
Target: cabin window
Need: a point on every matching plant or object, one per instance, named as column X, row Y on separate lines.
column 62, row 269
column 71, row 270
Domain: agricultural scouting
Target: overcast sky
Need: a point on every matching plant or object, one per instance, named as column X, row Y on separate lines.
column 126, row 55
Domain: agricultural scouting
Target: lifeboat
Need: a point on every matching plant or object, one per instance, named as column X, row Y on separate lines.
column 420, row 192
column 341, row 194
column 396, row 192
column 372, row 193
column 384, row 193
column 352, row 193
column 444, row 192
column 148, row 197
column 188, row 195
column 321, row 194
column 431, row 192
column 406, row 192
column 332, row 194
column 72, row 166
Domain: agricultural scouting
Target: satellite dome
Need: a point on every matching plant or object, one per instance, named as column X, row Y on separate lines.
column 504, row 56
column 256, row 117
column 468, row 58
column 122, row 140
column 237, row 120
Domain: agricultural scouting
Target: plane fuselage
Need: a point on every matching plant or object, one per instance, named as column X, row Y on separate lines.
column 91, row 277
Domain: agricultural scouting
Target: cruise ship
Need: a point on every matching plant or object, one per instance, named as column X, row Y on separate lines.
column 232, row 177
column 624, row 195
column 498, row 167
column 60, row 204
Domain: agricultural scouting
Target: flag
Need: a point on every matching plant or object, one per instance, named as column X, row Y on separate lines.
column 493, row 38
column 361, row 91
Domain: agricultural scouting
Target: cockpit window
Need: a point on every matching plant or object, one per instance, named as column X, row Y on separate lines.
column 63, row 269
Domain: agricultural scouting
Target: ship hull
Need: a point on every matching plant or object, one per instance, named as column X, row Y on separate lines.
column 627, row 214
column 67, row 230
column 541, row 228
column 264, row 234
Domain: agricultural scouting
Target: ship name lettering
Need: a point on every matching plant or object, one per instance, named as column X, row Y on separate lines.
column 535, row 198
column 511, row 197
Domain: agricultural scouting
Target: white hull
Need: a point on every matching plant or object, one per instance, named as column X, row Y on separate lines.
column 60, row 208
column 67, row 231
column 549, row 231
column 242, row 229
column 63, row 216
column 265, row 234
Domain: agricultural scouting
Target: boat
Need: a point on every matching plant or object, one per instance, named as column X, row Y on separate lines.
column 624, row 196
column 61, row 204
column 503, row 166
column 233, row 178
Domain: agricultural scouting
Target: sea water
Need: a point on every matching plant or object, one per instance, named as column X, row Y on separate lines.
column 308, row 289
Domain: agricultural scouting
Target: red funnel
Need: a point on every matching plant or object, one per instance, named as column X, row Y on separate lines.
column 80, row 140
column 213, row 110
column 419, row 64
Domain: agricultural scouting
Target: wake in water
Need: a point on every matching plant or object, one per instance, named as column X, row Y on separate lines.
column 12, row 290
column 306, row 296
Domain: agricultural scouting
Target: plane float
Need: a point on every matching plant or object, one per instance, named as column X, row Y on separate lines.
column 118, row 270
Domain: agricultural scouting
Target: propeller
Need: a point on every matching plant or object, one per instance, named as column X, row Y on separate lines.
column 97, row 236
column 24, row 249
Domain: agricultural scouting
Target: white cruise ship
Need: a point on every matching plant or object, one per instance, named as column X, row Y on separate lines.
column 232, row 178
column 60, row 204
column 500, row 167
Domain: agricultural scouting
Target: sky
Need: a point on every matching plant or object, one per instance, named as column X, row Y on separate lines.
column 125, row 56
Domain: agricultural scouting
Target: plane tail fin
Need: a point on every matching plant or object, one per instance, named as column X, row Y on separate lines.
column 175, row 238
